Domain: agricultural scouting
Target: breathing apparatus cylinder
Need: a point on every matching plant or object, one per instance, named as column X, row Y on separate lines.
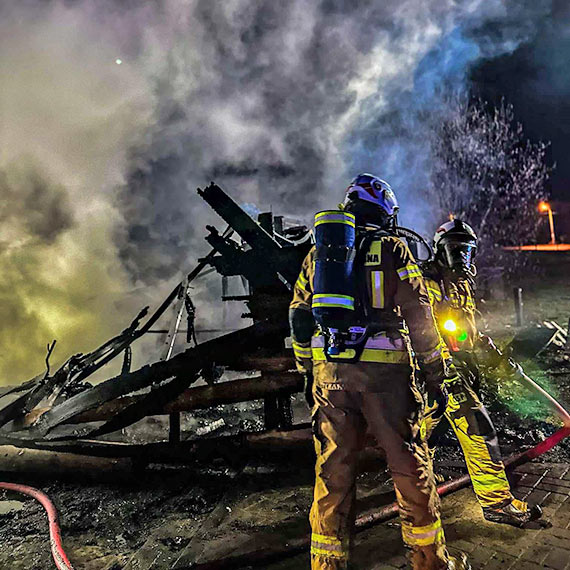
column 334, row 285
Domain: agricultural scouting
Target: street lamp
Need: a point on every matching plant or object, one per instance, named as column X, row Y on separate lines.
column 545, row 207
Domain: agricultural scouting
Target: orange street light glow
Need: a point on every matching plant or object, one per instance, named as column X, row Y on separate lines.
column 545, row 207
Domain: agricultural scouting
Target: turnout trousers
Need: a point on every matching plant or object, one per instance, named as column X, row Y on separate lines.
column 476, row 434
column 351, row 399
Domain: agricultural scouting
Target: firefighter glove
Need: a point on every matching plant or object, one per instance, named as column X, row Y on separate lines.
column 308, row 389
column 437, row 398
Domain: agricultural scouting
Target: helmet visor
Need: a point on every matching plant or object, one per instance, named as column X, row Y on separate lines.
column 459, row 255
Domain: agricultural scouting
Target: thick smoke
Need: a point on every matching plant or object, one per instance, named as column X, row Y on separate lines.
column 69, row 116
column 279, row 102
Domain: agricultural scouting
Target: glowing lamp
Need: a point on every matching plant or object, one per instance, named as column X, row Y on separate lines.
column 543, row 206
column 450, row 326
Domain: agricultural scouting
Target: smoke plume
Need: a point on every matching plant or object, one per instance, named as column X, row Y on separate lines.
column 113, row 112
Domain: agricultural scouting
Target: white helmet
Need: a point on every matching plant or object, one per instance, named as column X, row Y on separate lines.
column 455, row 245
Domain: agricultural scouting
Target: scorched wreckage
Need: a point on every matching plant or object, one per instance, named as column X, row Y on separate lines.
column 60, row 410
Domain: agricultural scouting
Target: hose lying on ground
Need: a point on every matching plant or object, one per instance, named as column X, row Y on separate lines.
column 59, row 556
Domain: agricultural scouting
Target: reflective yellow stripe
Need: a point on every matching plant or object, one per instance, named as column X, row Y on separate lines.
column 435, row 539
column 330, row 553
column 330, row 546
column 369, row 355
column 325, row 539
column 338, row 305
column 335, row 217
column 410, row 271
column 422, row 535
column 301, row 351
column 434, row 294
column 302, row 282
column 332, row 300
column 377, row 289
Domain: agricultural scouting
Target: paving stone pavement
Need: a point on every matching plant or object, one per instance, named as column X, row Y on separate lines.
column 492, row 546
column 489, row 546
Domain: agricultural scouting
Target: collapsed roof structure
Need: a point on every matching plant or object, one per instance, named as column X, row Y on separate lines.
column 60, row 410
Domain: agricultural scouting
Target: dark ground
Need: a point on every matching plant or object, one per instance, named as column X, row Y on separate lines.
column 164, row 517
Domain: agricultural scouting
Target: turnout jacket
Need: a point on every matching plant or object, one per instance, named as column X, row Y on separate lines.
column 454, row 308
column 394, row 286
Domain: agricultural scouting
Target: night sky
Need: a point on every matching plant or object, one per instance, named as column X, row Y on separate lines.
column 535, row 78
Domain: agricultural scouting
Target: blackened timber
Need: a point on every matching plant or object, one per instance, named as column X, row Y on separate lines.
column 223, row 350
column 202, row 397
column 241, row 222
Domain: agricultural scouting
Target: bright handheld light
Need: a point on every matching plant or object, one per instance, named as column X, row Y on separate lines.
column 450, row 326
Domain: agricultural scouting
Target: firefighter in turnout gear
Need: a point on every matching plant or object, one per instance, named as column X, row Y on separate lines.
column 366, row 381
column 450, row 285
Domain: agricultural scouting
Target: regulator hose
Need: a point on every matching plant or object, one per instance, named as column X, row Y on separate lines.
column 59, row 556
column 411, row 235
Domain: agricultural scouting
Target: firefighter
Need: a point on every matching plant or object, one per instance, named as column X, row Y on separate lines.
column 450, row 284
column 377, row 392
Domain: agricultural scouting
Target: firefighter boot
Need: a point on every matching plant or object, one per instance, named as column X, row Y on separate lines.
column 515, row 513
column 435, row 557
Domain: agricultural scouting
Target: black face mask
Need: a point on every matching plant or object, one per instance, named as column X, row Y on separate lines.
column 458, row 256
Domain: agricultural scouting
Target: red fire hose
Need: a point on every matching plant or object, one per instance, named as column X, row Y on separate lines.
column 59, row 556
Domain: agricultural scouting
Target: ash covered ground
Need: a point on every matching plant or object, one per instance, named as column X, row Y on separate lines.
column 159, row 516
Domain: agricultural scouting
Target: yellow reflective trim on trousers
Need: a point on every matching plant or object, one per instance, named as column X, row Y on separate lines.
column 422, row 535
column 409, row 527
column 331, row 546
column 435, row 539
column 370, row 355
column 329, row 553
column 377, row 278
column 302, row 351
column 326, row 539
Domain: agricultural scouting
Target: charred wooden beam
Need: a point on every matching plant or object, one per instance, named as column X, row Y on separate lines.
column 36, row 461
column 182, row 369
column 204, row 396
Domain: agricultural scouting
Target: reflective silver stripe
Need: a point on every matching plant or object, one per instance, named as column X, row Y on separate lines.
column 341, row 301
column 422, row 535
column 329, row 546
column 409, row 271
column 377, row 289
column 379, row 342
column 302, row 351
